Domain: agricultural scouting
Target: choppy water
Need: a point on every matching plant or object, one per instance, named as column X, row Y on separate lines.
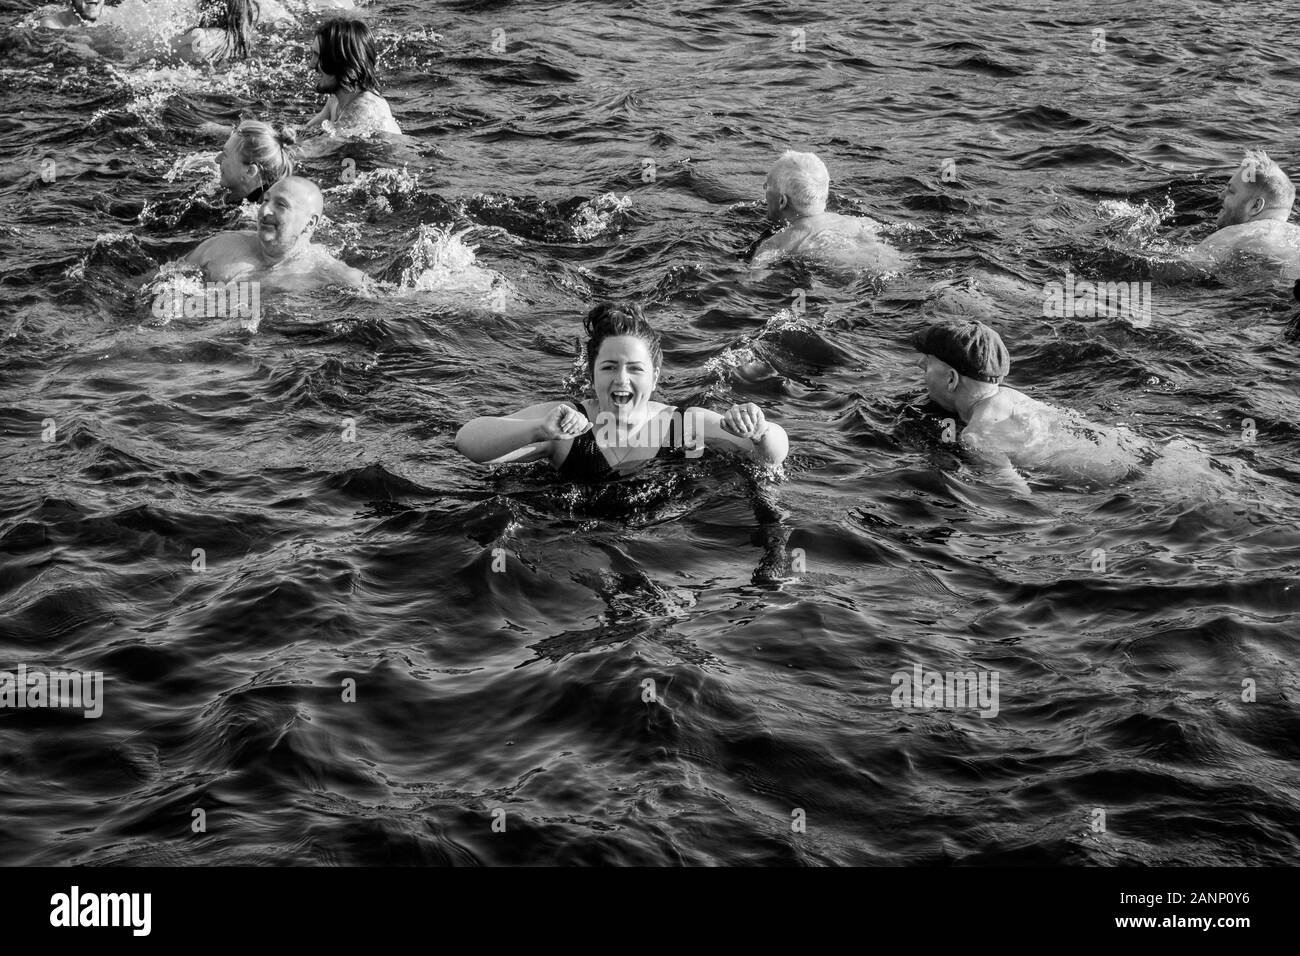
column 769, row 617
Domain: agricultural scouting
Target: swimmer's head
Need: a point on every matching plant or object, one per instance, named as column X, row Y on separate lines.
column 623, row 357
column 960, row 358
column 343, row 56
column 1257, row 190
column 797, row 185
column 237, row 18
column 87, row 10
column 290, row 212
column 256, row 157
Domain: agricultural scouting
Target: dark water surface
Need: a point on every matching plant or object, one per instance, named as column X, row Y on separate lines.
column 769, row 616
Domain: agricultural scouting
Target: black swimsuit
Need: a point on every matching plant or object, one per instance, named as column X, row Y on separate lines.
column 585, row 462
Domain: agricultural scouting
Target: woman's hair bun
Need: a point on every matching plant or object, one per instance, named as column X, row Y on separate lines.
column 609, row 319
column 288, row 136
column 609, row 316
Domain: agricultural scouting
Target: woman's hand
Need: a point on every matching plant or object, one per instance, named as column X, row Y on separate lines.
column 745, row 421
column 563, row 423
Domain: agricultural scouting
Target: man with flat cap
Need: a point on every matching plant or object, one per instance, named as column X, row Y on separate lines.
column 964, row 364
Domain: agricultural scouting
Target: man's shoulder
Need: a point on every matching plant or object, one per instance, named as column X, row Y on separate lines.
column 229, row 237
column 774, row 244
column 852, row 223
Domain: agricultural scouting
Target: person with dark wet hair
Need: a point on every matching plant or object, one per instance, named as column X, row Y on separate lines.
column 226, row 30
column 620, row 429
column 344, row 59
column 78, row 13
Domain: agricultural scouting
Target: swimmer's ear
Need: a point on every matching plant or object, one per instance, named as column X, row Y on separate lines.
column 1256, row 207
column 954, row 379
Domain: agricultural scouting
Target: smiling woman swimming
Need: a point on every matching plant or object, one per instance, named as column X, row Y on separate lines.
column 621, row 428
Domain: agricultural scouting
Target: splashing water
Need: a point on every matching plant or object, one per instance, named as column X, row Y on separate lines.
column 1135, row 221
column 749, row 351
column 165, row 293
column 187, row 163
column 386, row 184
column 442, row 262
column 595, row 216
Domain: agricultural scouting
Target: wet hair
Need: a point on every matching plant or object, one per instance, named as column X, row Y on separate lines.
column 1268, row 179
column 237, row 18
column 608, row 320
column 803, row 178
column 272, row 152
column 346, row 51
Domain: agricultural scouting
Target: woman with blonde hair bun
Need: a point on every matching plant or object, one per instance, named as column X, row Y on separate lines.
column 255, row 158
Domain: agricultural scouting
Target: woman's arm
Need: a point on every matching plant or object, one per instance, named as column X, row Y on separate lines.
column 743, row 428
column 527, row 435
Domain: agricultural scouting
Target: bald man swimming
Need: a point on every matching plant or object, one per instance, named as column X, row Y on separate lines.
column 1256, row 206
column 796, row 190
column 280, row 252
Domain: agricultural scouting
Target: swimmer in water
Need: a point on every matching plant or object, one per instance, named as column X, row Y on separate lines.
column 280, row 252
column 225, row 30
column 79, row 13
column 254, row 159
column 343, row 56
column 797, row 188
column 964, row 363
column 622, row 428
column 1256, row 206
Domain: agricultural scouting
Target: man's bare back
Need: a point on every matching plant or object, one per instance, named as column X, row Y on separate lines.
column 1269, row 238
column 806, row 232
column 1010, row 427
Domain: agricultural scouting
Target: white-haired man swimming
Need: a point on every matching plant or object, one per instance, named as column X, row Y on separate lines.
column 797, row 187
column 1256, row 206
